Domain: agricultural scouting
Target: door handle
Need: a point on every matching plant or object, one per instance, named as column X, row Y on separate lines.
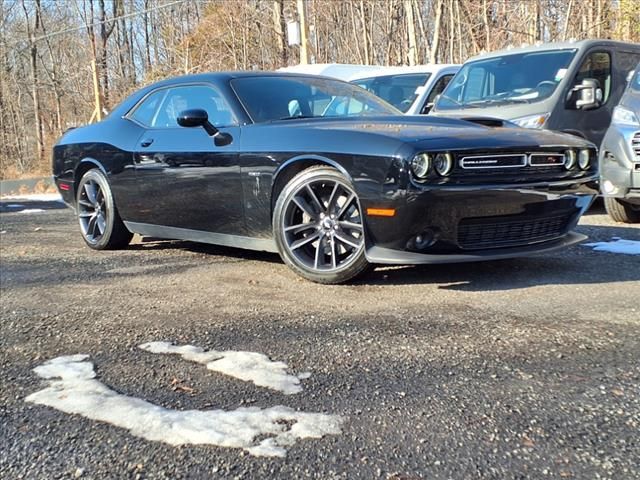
column 146, row 142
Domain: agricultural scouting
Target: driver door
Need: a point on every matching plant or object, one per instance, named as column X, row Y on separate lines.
column 184, row 180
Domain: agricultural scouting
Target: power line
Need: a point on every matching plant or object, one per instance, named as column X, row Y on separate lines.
column 94, row 24
column 128, row 15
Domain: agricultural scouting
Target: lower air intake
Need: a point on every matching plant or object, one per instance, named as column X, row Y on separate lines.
column 499, row 232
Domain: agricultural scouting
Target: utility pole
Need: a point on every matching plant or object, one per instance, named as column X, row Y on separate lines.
column 97, row 113
column 304, row 32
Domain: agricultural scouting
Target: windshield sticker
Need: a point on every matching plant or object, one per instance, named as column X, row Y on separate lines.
column 560, row 74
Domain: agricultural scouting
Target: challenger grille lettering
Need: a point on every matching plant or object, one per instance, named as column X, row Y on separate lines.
column 481, row 162
column 494, row 161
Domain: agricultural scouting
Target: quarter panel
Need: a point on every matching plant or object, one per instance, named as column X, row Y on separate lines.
column 110, row 144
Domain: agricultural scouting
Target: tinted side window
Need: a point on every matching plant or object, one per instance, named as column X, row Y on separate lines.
column 597, row 65
column 145, row 112
column 627, row 61
column 179, row 99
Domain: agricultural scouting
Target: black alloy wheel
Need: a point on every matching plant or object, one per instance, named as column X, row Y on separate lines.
column 100, row 223
column 319, row 228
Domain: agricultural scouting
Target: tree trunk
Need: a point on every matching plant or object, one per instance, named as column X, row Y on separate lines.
column 33, row 59
column 280, row 27
column 433, row 55
column 412, row 50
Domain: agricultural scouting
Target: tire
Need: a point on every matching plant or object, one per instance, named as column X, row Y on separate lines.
column 621, row 211
column 100, row 224
column 318, row 227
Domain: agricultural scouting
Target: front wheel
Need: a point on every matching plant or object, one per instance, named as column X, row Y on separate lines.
column 318, row 227
column 100, row 224
column 621, row 211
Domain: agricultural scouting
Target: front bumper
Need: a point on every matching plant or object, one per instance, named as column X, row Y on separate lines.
column 462, row 224
column 386, row 256
column 619, row 165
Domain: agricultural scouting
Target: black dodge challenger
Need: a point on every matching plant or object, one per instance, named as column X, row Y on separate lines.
column 322, row 172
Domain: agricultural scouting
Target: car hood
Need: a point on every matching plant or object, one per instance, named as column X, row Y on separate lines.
column 447, row 133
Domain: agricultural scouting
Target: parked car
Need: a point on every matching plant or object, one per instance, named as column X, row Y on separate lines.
column 570, row 86
column 412, row 90
column 252, row 160
column 620, row 157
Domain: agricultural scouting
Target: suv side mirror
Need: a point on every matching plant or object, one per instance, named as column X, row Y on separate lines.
column 589, row 94
column 198, row 117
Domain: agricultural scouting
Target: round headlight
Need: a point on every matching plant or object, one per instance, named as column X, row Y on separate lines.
column 420, row 165
column 583, row 159
column 569, row 159
column 443, row 163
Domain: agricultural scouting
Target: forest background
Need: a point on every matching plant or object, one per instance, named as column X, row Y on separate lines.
column 56, row 55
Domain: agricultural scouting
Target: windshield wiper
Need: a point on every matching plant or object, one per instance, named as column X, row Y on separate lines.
column 494, row 101
column 295, row 117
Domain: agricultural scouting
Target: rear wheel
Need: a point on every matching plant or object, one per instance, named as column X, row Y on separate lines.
column 621, row 211
column 100, row 224
column 318, row 227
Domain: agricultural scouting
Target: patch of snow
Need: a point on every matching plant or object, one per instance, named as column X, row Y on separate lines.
column 73, row 389
column 15, row 205
column 32, row 210
column 248, row 366
column 616, row 245
column 36, row 197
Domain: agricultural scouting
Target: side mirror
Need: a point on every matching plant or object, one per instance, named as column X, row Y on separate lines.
column 198, row 117
column 589, row 94
column 193, row 118
column 429, row 105
column 427, row 108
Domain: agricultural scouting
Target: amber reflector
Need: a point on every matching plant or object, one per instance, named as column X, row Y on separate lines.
column 381, row 212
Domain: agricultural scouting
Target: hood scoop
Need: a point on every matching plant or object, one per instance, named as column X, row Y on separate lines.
column 489, row 122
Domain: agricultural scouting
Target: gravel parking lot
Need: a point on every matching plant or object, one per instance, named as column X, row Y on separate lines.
column 526, row 368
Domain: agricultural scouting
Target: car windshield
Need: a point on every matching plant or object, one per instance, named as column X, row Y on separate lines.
column 516, row 78
column 399, row 90
column 271, row 98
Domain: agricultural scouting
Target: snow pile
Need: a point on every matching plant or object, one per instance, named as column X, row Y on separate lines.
column 74, row 389
column 616, row 245
column 36, row 197
column 248, row 366
column 32, row 210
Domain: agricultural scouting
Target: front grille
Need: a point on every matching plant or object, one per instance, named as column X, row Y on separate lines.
column 511, row 231
column 493, row 161
column 516, row 167
column 635, row 145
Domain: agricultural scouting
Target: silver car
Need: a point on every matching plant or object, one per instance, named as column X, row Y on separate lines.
column 620, row 157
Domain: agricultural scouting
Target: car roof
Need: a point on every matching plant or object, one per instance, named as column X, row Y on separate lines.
column 426, row 68
column 541, row 47
column 209, row 77
column 341, row 71
column 350, row 72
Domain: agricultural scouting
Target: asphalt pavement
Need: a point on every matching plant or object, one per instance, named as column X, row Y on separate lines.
column 525, row 368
